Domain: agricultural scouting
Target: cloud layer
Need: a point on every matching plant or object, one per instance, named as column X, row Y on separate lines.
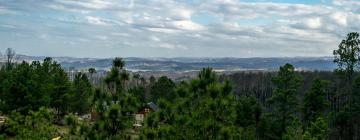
column 177, row 28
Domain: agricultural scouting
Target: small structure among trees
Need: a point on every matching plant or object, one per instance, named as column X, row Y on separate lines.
column 140, row 115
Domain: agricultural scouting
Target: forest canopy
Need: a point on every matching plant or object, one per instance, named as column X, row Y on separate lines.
column 38, row 100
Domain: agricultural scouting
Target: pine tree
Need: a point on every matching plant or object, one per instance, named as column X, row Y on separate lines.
column 284, row 99
column 315, row 102
column 163, row 88
column 203, row 109
column 347, row 56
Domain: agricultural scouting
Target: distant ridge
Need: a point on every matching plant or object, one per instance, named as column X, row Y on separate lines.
column 181, row 64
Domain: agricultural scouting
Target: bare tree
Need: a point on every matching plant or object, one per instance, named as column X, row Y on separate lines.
column 9, row 56
column 91, row 72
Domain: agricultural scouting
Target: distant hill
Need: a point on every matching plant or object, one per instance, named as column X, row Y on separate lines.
column 193, row 64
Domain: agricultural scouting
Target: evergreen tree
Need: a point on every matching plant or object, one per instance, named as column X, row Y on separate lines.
column 30, row 86
column 56, row 84
column 347, row 56
column 315, row 102
column 284, row 99
column 114, row 109
column 317, row 130
column 81, row 89
column 163, row 88
column 248, row 111
column 118, row 63
column 293, row 131
column 116, row 78
column 37, row 125
column 204, row 109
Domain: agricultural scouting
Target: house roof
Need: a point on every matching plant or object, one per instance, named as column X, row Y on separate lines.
column 153, row 106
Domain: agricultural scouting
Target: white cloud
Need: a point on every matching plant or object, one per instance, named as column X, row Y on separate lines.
column 64, row 8
column 171, row 46
column 308, row 23
column 96, row 21
column 101, row 37
column 231, row 10
column 155, row 38
column 167, row 27
column 180, row 14
column 187, row 25
column 163, row 30
column 89, row 4
column 339, row 18
column 120, row 34
column 313, row 23
column 346, row 2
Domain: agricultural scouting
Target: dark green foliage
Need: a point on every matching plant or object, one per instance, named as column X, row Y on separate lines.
column 27, row 91
column 347, row 121
column 348, row 59
column 91, row 70
column 34, row 97
column 30, row 86
column 116, row 79
column 113, row 119
column 152, row 79
column 17, row 92
column 118, row 63
column 347, row 56
column 317, row 130
column 113, row 81
column 248, row 111
column 139, row 93
column 355, row 100
column 203, row 110
column 293, row 131
column 284, row 99
column 61, row 91
column 163, row 88
column 81, row 93
column 34, row 126
column 315, row 102
column 114, row 108
column 136, row 76
column 72, row 121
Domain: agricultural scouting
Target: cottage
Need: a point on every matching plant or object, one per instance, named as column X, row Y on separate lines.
column 142, row 112
column 2, row 119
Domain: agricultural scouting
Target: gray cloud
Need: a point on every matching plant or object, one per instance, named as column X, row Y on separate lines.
column 166, row 28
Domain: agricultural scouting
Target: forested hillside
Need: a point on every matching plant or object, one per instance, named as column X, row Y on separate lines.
column 192, row 64
column 39, row 101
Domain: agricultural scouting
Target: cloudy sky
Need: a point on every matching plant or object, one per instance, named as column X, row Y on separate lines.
column 176, row 28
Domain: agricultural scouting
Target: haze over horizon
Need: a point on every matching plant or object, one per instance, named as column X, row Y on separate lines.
column 165, row 57
column 177, row 28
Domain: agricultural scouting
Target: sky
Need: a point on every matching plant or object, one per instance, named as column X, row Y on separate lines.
column 176, row 28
